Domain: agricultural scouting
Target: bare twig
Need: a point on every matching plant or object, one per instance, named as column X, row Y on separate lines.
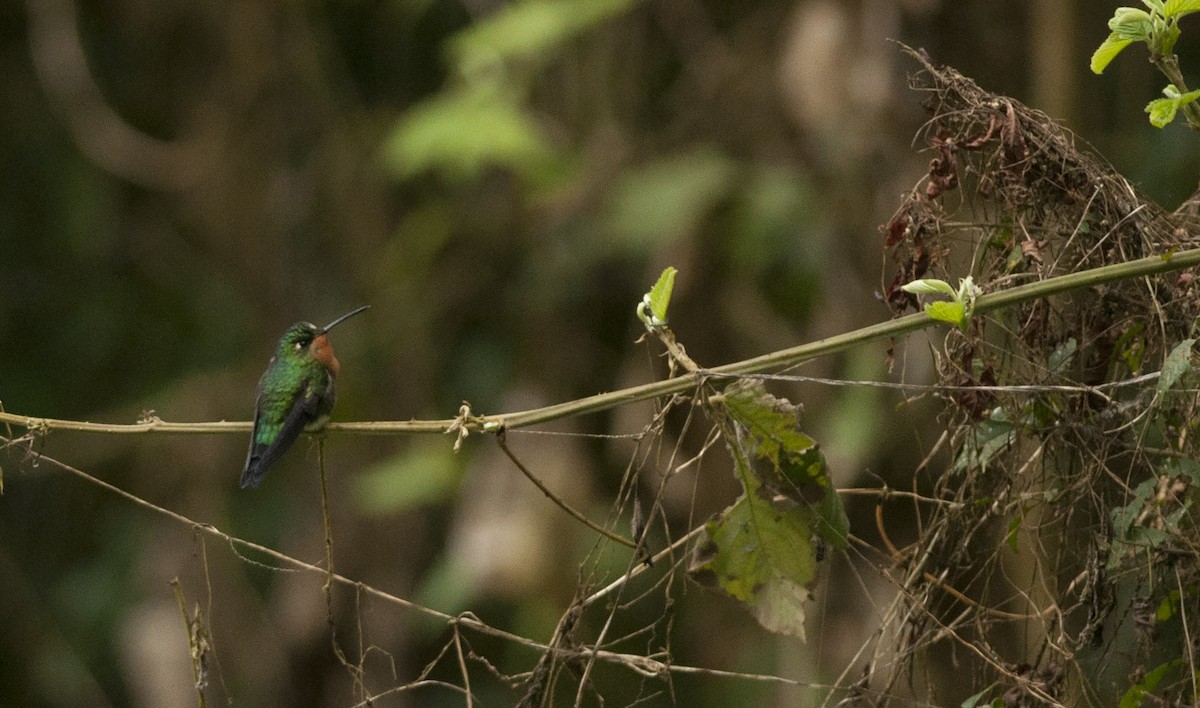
column 558, row 501
column 642, row 665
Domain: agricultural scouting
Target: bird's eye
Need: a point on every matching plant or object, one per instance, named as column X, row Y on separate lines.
column 303, row 343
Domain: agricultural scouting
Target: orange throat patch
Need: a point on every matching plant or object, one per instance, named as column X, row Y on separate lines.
column 322, row 351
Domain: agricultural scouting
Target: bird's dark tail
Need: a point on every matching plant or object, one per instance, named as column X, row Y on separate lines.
column 255, row 469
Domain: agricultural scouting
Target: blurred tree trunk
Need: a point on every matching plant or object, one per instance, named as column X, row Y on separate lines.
column 1053, row 83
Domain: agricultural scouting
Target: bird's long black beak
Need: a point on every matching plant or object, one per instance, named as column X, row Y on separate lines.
column 342, row 319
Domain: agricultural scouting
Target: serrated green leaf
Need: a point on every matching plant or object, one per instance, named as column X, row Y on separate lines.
column 660, row 294
column 1162, row 111
column 763, row 556
column 1107, row 51
column 773, row 423
column 929, row 286
column 1179, row 8
column 952, row 312
column 791, row 463
column 1130, row 23
column 1189, row 97
column 1177, row 363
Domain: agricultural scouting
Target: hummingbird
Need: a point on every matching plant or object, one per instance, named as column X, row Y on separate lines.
column 295, row 393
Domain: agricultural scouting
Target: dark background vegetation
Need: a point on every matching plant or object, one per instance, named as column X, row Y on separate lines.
column 181, row 181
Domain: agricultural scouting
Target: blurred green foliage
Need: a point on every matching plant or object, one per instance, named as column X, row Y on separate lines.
column 499, row 181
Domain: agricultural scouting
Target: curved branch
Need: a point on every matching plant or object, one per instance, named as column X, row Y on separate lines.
column 101, row 133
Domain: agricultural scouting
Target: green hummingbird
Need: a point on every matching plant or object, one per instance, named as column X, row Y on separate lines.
column 295, row 393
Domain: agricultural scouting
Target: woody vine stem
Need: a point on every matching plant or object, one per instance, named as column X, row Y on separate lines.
column 468, row 422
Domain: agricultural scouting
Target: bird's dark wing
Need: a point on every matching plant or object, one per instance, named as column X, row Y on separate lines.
column 262, row 454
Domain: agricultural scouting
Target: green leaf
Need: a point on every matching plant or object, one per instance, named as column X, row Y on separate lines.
column 1177, row 363
column 464, row 132
column 1107, row 51
column 761, row 550
column 1132, row 346
column 1130, row 23
column 1185, row 467
column 1137, row 693
column 773, row 423
column 1179, row 8
column 1189, row 97
column 660, row 294
column 663, row 200
column 1061, row 357
column 1162, row 111
column 795, row 466
column 987, row 438
column 1167, row 37
column 1014, row 525
column 763, row 556
column 929, row 286
column 1168, row 608
column 426, row 473
column 973, row 701
column 952, row 312
column 529, row 30
column 1127, row 536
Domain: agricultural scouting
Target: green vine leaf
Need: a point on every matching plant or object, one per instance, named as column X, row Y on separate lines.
column 1179, row 8
column 528, row 31
column 1162, row 110
column 1137, row 693
column 772, row 423
column 763, row 557
column 1062, row 357
column 986, row 439
column 762, row 550
column 1131, row 23
column 660, row 294
column 929, row 286
column 652, row 310
column 793, row 466
column 1167, row 37
column 1177, row 363
column 974, row 700
column 1107, row 51
column 952, row 312
column 958, row 310
column 464, row 132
